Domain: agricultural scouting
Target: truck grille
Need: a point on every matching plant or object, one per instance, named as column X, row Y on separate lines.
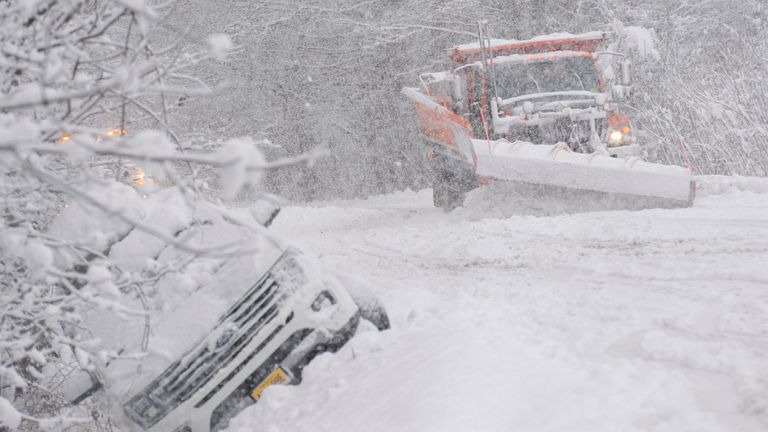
column 567, row 131
column 233, row 332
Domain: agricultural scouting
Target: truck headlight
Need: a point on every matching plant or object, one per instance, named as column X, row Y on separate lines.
column 619, row 131
column 619, row 136
column 144, row 410
column 288, row 272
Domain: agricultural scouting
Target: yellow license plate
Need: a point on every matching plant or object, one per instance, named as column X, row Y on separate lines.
column 278, row 376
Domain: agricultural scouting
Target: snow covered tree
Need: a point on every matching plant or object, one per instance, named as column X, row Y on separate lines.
column 79, row 81
column 335, row 69
column 706, row 95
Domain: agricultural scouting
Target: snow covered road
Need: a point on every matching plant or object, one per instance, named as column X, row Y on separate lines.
column 653, row 320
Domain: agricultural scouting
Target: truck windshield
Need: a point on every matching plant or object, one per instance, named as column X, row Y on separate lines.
column 564, row 74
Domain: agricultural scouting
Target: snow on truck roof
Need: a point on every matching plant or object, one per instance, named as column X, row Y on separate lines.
column 554, row 42
column 551, row 55
column 550, row 38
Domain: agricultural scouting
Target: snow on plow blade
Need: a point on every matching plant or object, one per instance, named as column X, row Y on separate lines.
column 619, row 183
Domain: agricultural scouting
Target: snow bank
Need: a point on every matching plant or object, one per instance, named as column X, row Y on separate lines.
column 721, row 185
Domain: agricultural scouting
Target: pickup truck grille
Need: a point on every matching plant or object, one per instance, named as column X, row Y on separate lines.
column 233, row 332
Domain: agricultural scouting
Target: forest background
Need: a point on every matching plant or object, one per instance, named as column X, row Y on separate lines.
column 327, row 74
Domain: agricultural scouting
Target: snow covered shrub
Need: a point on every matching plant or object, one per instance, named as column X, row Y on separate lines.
column 79, row 81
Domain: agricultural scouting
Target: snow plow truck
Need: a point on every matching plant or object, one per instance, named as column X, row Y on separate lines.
column 541, row 115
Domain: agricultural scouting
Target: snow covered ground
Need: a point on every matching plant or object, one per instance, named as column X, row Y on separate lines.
column 653, row 320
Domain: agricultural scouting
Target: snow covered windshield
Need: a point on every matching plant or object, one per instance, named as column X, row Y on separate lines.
column 566, row 74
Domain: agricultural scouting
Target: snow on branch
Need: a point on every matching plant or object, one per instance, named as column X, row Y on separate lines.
column 79, row 82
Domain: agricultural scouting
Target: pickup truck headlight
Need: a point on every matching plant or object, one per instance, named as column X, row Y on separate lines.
column 288, row 272
column 148, row 410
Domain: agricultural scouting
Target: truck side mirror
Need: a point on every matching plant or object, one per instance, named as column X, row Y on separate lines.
column 619, row 92
column 626, row 73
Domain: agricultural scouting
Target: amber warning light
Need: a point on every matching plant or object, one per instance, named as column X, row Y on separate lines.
column 116, row 132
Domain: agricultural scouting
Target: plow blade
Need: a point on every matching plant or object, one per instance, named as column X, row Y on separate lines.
column 608, row 182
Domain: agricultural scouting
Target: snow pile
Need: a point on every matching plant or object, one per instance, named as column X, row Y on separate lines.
column 720, row 185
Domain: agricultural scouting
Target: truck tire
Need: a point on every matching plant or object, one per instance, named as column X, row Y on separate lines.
column 446, row 195
column 452, row 178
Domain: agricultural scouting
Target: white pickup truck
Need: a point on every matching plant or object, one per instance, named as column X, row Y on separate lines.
column 224, row 327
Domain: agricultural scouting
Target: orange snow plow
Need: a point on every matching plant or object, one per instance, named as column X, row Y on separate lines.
column 539, row 114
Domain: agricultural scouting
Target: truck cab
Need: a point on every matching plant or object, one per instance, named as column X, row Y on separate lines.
column 544, row 90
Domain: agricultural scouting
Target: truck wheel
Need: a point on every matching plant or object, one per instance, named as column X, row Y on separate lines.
column 446, row 195
column 452, row 177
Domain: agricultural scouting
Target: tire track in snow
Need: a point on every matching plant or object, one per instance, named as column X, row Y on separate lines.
column 654, row 320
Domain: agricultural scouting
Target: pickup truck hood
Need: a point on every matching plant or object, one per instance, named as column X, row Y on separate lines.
column 185, row 303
